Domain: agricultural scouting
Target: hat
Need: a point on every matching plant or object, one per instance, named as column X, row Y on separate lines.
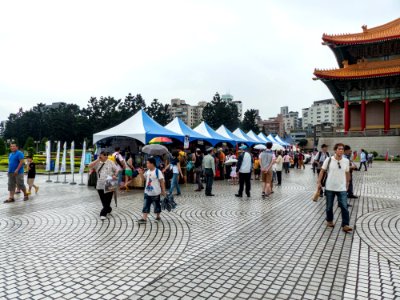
column 243, row 147
column 324, row 145
column 210, row 149
column 198, row 149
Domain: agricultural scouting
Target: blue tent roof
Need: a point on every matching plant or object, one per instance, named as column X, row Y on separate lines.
column 222, row 130
column 141, row 127
column 179, row 127
column 239, row 133
column 212, row 136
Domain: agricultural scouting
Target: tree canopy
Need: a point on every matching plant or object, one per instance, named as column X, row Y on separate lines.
column 221, row 112
column 250, row 121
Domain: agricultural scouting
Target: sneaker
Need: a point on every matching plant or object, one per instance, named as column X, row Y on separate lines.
column 347, row 228
column 142, row 221
column 36, row 190
column 237, row 195
column 103, row 218
column 330, row 224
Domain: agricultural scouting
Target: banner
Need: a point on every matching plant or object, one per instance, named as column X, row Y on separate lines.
column 48, row 155
column 57, row 165
column 72, row 157
column 64, row 159
column 82, row 167
column 186, row 142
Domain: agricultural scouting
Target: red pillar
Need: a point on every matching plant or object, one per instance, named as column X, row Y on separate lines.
column 387, row 115
column 363, row 115
column 346, row 116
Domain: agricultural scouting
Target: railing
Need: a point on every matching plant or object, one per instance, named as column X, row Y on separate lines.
column 379, row 132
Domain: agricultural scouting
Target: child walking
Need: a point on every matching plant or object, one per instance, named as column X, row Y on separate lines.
column 155, row 186
column 31, row 176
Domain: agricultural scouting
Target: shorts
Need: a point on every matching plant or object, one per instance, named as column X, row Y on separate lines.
column 257, row 171
column 128, row 173
column 15, row 181
column 31, row 181
column 267, row 177
column 148, row 200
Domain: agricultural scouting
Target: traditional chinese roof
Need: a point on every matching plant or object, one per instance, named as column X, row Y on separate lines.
column 388, row 31
column 361, row 70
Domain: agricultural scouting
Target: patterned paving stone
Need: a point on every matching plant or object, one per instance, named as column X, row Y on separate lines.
column 55, row 247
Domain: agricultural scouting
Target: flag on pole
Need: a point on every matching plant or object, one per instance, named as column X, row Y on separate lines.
column 72, row 157
column 57, row 165
column 82, row 167
column 48, row 155
column 387, row 155
column 64, row 159
column 355, row 155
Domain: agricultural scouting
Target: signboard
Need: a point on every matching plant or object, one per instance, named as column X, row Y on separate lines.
column 186, row 142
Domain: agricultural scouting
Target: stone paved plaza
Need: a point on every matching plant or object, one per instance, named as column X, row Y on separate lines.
column 56, row 247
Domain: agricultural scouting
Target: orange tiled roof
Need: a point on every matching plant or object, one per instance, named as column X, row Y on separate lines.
column 388, row 31
column 362, row 69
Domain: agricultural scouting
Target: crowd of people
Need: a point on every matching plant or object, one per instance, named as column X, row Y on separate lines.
column 162, row 175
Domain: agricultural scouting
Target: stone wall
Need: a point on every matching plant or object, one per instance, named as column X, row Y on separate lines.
column 380, row 144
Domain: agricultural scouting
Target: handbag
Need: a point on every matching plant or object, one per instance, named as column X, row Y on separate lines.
column 325, row 176
column 189, row 165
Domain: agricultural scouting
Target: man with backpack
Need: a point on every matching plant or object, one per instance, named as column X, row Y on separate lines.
column 337, row 171
column 119, row 163
column 155, row 186
column 319, row 160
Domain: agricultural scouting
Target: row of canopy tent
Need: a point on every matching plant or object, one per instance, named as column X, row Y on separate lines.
column 143, row 128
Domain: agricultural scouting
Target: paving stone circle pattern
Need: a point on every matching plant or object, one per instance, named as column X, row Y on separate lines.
column 56, row 247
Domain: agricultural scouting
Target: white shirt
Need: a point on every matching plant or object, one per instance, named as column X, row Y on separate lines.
column 279, row 163
column 120, row 158
column 246, row 163
column 153, row 186
column 336, row 180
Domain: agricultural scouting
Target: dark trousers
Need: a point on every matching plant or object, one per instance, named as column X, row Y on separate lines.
column 106, row 202
column 361, row 164
column 209, row 175
column 244, row 178
column 198, row 179
column 221, row 172
column 350, row 191
column 286, row 166
column 279, row 176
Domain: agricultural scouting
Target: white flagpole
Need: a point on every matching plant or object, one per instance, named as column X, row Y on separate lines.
column 72, row 161
column 64, row 163
column 82, row 166
column 48, row 159
column 57, row 165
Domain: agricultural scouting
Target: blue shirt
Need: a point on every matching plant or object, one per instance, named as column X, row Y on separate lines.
column 13, row 162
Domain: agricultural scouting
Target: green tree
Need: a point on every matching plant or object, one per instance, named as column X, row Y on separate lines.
column 131, row 105
column 159, row 112
column 3, row 147
column 30, row 145
column 250, row 121
column 221, row 112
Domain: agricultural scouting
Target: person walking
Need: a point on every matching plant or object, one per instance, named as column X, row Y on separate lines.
column 198, row 168
column 129, row 171
column 209, row 170
column 370, row 158
column 347, row 154
column 337, row 169
column 279, row 167
column 31, row 175
column 319, row 160
column 301, row 161
column 155, row 186
column 286, row 163
column 363, row 160
column 221, row 163
column 245, row 167
column 104, row 168
column 15, row 173
column 266, row 163
column 175, row 166
column 119, row 163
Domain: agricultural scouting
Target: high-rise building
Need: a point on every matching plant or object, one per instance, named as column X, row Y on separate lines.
column 291, row 121
column 191, row 115
column 273, row 125
column 239, row 106
column 323, row 111
column 284, row 110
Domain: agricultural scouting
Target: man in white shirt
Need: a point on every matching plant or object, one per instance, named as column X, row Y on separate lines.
column 363, row 160
column 245, row 166
column 337, row 170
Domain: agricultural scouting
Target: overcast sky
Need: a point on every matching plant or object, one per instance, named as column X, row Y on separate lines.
column 261, row 51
